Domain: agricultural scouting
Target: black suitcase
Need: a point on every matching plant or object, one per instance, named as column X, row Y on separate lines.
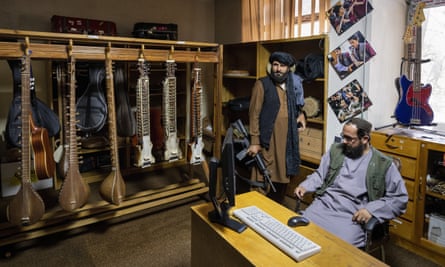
column 156, row 31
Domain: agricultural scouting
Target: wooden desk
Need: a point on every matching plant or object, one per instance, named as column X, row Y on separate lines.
column 215, row 245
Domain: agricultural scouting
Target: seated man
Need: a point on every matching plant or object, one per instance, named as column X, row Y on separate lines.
column 353, row 183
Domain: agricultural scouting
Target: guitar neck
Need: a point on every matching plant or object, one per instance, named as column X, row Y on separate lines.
column 169, row 98
column 143, row 100
column 196, row 129
column 111, row 113
column 72, row 136
column 25, row 118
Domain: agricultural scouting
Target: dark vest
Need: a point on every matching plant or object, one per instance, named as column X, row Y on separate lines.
column 375, row 174
column 269, row 114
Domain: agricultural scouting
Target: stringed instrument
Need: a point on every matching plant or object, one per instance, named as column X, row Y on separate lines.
column 44, row 164
column 143, row 153
column 112, row 188
column 196, row 155
column 172, row 150
column 26, row 207
column 75, row 190
column 413, row 107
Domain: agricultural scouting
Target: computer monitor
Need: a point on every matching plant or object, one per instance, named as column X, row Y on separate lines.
column 222, row 204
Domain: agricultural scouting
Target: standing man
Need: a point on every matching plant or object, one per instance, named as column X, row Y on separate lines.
column 353, row 183
column 275, row 118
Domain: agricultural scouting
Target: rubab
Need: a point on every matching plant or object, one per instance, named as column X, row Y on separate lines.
column 75, row 191
column 172, row 150
column 112, row 188
column 196, row 155
column 143, row 153
column 26, row 207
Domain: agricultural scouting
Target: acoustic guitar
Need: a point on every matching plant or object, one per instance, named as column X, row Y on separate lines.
column 26, row 207
column 413, row 107
column 144, row 146
column 196, row 155
column 112, row 188
column 172, row 150
column 44, row 164
column 75, row 190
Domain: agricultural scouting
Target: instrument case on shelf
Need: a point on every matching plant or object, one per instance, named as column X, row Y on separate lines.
column 160, row 31
column 82, row 26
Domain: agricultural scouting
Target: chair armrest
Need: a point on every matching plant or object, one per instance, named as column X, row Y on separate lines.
column 371, row 224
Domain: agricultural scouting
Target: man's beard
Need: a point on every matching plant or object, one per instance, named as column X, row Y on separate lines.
column 353, row 152
column 276, row 77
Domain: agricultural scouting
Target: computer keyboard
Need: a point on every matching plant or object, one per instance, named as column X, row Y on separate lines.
column 292, row 243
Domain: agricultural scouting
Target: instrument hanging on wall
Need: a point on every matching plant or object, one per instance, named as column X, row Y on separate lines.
column 75, row 191
column 196, row 155
column 144, row 146
column 125, row 118
column 413, row 107
column 172, row 150
column 112, row 188
column 26, row 207
column 42, row 115
column 91, row 106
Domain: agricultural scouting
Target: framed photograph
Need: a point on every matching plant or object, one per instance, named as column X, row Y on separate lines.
column 351, row 54
column 346, row 13
column 349, row 101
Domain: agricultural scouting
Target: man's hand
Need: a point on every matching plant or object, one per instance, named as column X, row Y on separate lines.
column 301, row 121
column 253, row 150
column 362, row 216
column 299, row 192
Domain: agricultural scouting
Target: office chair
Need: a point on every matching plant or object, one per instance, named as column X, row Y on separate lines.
column 376, row 233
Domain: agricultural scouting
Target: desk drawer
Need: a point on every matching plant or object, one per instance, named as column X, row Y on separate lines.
column 396, row 144
column 402, row 228
column 410, row 185
column 409, row 213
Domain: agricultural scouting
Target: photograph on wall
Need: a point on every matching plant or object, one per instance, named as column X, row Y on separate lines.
column 346, row 13
column 349, row 101
column 351, row 54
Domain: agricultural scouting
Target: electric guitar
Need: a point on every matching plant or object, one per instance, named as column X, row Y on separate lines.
column 112, row 188
column 75, row 191
column 196, row 155
column 143, row 153
column 172, row 150
column 413, row 107
column 26, row 207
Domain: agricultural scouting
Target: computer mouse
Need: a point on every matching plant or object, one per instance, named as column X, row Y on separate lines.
column 297, row 221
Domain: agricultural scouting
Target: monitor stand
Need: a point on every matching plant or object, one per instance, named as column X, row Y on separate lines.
column 221, row 216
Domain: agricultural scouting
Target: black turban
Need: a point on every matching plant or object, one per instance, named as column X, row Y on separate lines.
column 282, row 57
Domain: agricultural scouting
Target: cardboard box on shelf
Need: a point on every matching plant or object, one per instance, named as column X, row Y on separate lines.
column 436, row 229
column 311, row 142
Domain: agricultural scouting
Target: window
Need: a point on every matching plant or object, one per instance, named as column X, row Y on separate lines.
column 433, row 72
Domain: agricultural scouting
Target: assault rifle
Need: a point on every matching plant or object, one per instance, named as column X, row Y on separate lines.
column 243, row 138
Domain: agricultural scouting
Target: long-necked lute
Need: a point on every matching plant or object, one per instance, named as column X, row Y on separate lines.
column 26, row 207
column 75, row 190
column 112, row 188
column 196, row 155
column 172, row 150
column 144, row 146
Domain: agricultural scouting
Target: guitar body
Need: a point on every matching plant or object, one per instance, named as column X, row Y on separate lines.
column 75, row 191
column 172, row 151
column 196, row 154
column 112, row 188
column 44, row 164
column 143, row 153
column 27, row 207
column 413, row 107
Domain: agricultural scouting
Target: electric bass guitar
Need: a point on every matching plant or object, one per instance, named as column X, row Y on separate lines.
column 172, row 150
column 143, row 153
column 75, row 190
column 413, row 107
column 26, row 207
column 112, row 188
column 196, row 155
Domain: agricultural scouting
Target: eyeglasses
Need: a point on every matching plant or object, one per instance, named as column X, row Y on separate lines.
column 348, row 139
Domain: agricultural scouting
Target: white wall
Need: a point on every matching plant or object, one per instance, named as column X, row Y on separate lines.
column 383, row 28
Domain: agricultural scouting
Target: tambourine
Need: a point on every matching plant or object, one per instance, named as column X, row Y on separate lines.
column 311, row 107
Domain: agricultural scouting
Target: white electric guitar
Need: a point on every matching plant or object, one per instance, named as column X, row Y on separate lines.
column 143, row 153
column 196, row 145
column 172, row 150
